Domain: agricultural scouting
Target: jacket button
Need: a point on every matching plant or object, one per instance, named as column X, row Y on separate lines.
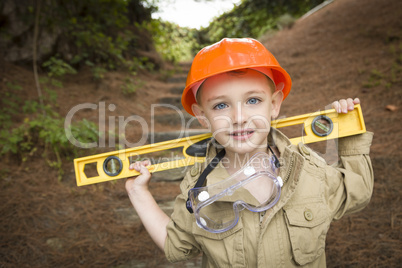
column 305, row 150
column 194, row 171
column 308, row 215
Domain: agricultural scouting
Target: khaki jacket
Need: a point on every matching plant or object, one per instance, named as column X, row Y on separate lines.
column 293, row 232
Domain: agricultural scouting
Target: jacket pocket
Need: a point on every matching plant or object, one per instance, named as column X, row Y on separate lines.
column 307, row 224
column 222, row 249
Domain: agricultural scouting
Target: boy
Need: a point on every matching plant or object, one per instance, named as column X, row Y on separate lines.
column 235, row 87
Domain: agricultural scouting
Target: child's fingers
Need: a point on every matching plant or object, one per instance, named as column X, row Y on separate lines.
column 350, row 104
column 137, row 165
column 356, row 101
column 144, row 171
column 146, row 162
column 141, row 180
column 336, row 106
column 344, row 106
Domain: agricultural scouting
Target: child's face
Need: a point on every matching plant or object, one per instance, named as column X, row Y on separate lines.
column 238, row 109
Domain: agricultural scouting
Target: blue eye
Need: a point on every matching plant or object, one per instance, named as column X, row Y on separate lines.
column 220, row 106
column 253, row 101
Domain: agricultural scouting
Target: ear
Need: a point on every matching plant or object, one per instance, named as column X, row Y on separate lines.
column 200, row 115
column 277, row 99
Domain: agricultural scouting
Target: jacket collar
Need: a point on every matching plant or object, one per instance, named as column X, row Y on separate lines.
column 287, row 152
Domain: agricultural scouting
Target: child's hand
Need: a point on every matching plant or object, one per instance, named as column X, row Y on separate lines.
column 141, row 181
column 343, row 106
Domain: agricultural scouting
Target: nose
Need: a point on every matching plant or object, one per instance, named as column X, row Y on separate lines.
column 239, row 114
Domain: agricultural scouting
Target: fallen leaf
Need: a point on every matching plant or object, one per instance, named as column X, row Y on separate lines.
column 391, row 108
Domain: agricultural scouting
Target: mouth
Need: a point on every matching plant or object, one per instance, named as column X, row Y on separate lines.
column 242, row 134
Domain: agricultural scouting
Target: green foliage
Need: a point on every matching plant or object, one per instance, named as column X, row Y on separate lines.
column 98, row 71
column 38, row 132
column 252, row 18
column 48, row 132
column 131, row 85
column 173, row 42
column 141, row 63
column 396, row 67
column 375, row 79
column 387, row 79
column 285, row 21
column 84, row 132
column 102, row 32
column 9, row 104
column 12, row 86
column 99, row 47
column 57, row 67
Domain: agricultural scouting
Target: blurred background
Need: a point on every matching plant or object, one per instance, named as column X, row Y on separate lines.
column 55, row 55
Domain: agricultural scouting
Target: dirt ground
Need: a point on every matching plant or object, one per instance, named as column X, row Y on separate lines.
column 348, row 49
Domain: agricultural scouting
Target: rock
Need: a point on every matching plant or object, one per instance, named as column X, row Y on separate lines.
column 177, row 90
column 391, row 107
column 178, row 79
column 54, row 243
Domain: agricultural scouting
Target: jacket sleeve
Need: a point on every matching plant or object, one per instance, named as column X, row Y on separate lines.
column 349, row 185
column 180, row 243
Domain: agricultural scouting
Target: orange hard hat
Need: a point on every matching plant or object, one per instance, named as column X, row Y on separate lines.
column 233, row 54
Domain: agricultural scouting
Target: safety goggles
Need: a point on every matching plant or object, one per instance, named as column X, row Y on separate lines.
column 255, row 187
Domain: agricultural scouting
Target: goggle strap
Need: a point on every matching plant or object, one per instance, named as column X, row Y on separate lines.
column 200, row 182
column 214, row 162
column 277, row 164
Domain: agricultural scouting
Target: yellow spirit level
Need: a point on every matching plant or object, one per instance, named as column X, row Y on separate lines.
column 318, row 126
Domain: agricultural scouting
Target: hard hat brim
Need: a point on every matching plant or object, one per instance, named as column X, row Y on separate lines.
column 279, row 75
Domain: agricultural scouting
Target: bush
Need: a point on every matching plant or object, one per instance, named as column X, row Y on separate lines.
column 285, row 21
column 47, row 133
column 252, row 18
column 173, row 42
column 73, row 33
column 38, row 132
column 57, row 67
